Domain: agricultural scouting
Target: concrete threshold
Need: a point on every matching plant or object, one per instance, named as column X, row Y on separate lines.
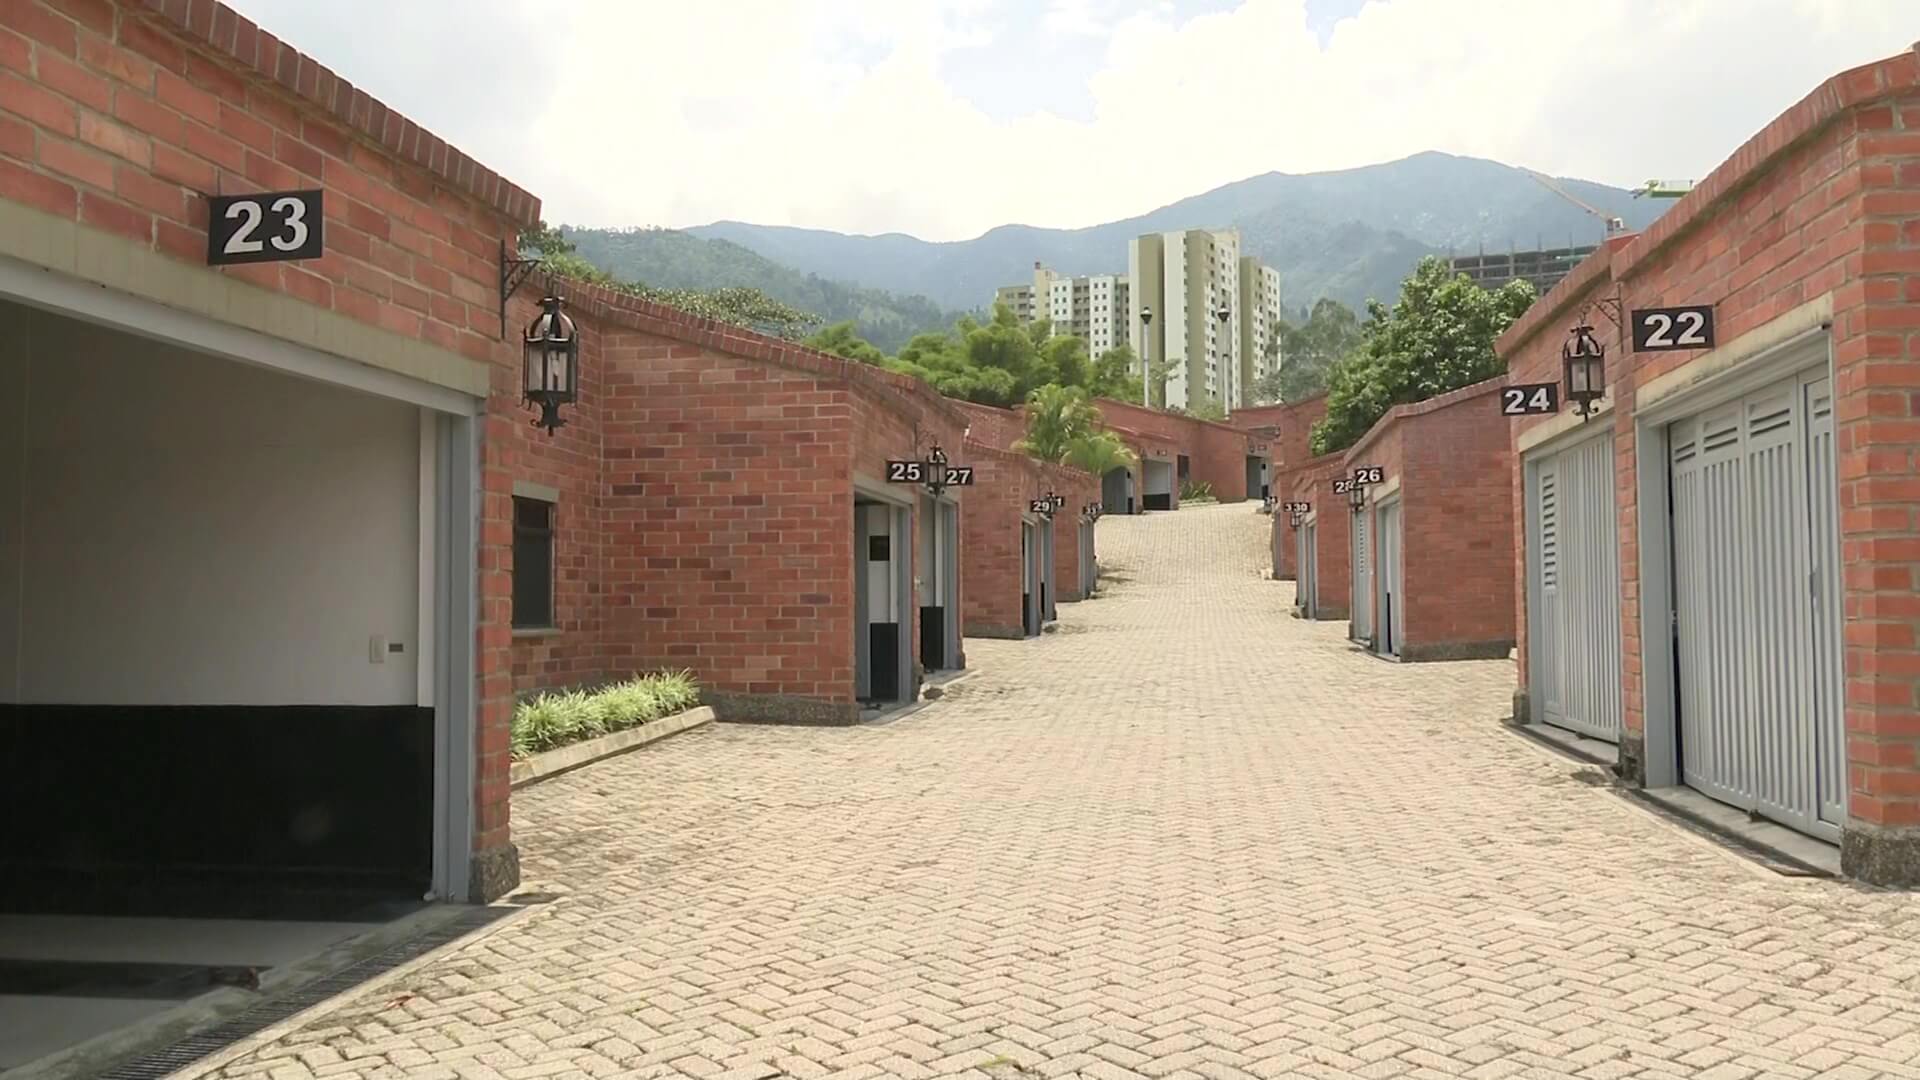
column 1774, row 846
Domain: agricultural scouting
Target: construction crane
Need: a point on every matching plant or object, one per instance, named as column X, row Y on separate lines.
column 1663, row 189
column 1614, row 225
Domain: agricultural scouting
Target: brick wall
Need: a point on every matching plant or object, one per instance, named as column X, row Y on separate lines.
column 1080, row 488
column 993, row 426
column 1824, row 202
column 1286, row 427
column 1313, row 482
column 1216, row 453
column 1003, row 481
column 1452, row 459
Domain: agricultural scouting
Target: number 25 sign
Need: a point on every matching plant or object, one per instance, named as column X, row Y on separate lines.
column 272, row 226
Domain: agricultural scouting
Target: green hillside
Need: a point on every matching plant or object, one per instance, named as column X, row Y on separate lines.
column 668, row 258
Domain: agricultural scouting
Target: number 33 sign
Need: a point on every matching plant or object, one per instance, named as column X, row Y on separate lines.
column 272, row 226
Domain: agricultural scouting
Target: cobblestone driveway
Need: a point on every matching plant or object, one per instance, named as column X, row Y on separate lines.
column 1186, row 836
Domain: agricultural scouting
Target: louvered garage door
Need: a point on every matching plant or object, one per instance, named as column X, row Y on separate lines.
column 1361, row 606
column 1574, row 665
column 1756, row 619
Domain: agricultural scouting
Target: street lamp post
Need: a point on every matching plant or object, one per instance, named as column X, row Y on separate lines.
column 1226, row 365
column 1146, row 351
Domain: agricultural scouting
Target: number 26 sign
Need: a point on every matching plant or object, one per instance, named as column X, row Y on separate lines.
column 271, row 226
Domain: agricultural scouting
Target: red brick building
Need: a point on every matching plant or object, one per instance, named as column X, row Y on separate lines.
column 308, row 568
column 1432, row 552
column 1174, row 449
column 1322, row 542
column 1286, row 430
column 1716, row 571
column 1019, row 562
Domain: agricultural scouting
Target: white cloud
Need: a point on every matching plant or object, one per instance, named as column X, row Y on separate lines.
column 677, row 114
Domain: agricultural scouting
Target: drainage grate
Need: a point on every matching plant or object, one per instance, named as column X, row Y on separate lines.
column 184, row 1052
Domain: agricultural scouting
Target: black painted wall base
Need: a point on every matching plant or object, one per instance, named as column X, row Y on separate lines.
column 884, row 652
column 1158, row 502
column 933, row 638
column 175, row 809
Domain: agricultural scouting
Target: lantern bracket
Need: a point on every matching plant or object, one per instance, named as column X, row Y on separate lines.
column 513, row 273
column 1608, row 306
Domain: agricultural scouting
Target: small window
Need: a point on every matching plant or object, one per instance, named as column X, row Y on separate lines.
column 532, row 563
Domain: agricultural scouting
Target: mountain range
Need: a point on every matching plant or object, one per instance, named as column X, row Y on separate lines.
column 1350, row 234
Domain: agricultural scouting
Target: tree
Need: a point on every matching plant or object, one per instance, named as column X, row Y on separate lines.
column 1303, row 353
column 1205, row 409
column 1438, row 337
column 841, row 340
column 1056, row 416
column 750, row 308
column 1099, row 452
column 1113, row 374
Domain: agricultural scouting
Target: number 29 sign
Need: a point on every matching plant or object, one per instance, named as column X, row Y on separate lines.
column 271, row 226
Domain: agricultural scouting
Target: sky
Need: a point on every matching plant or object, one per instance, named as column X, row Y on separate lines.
column 945, row 118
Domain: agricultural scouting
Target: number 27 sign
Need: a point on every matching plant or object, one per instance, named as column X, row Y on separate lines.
column 271, row 226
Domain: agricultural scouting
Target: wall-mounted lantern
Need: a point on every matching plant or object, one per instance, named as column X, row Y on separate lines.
column 1586, row 369
column 550, row 363
column 936, row 471
column 1357, row 498
column 1296, row 518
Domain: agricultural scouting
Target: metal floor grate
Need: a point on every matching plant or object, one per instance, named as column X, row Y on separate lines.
column 184, row 1052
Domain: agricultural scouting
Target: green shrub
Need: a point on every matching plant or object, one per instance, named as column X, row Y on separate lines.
column 1196, row 491
column 556, row 718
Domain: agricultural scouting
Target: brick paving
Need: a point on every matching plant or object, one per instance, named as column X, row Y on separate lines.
column 1183, row 836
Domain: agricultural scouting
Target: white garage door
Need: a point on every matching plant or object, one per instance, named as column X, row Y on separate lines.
column 1756, row 620
column 1392, row 574
column 1573, row 612
column 1308, row 571
column 1362, row 599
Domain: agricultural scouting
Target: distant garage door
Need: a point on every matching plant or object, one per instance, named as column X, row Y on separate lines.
column 1573, row 609
column 1756, row 622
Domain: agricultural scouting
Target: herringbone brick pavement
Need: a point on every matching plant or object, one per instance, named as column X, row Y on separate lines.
column 1184, row 836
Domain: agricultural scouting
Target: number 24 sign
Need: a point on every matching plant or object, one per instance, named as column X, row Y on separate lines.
column 272, row 226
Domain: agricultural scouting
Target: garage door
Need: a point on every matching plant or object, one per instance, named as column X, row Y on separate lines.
column 1362, row 599
column 1574, row 601
column 1755, row 590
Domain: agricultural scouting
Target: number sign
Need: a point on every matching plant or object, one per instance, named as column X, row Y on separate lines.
column 275, row 226
column 1526, row 399
column 1041, row 506
column 1369, row 474
column 1296, row 508
column 1343, row 485
column 1668, row 329
column 960, row 476
column 1059, row 501
column 906, row 472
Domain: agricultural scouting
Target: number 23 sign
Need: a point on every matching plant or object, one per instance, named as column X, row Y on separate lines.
column 272, row 226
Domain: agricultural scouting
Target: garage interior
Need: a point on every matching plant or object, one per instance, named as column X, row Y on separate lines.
column 216, row 677
column 938, row 582
column 1157, row 485
column 1389, row 569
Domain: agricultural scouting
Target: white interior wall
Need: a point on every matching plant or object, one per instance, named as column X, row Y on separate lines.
column 178, row 529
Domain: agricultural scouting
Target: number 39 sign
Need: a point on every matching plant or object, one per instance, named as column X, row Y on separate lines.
column 273, row 226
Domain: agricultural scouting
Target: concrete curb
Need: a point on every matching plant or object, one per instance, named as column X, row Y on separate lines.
column 568, row 758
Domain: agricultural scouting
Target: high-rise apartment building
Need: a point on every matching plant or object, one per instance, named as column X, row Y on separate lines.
column 1092, row 308
column 1213, row 313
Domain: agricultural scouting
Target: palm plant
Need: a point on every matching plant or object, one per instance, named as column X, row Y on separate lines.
column 1056, row 416
column 1098, row 452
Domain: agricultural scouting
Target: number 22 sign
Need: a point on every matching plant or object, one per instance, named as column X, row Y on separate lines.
column 272, row 226
column 1669, row 329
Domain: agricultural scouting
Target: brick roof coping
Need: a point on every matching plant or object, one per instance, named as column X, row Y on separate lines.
column 216, row 26
column 1840, row 94
column 973, row 445
column 1594, row 271
column 903, row 391
column 1135, row 433
column 1422, row 408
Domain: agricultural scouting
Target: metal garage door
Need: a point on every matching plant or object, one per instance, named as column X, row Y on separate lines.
column 1304, row 598
column 1574, row 606
column 1361, row 606
column 1755, row 621
column 1393, row 558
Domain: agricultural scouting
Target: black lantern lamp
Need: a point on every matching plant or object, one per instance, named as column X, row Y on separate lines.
column 551, row 361
column 1586, row 363
column 1296, row 518
column 936, row 470
column 1357, row 497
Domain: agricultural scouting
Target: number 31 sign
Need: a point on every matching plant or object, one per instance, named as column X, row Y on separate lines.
column 271, row 226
